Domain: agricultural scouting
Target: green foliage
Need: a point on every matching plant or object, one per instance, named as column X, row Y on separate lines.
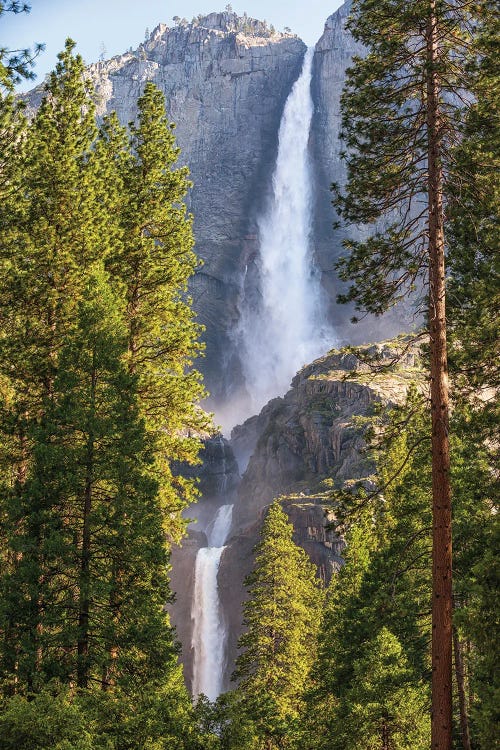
column 385, row 707
column 380, row 598
column 402, row 113
column 152, row 262
column 385, row 131
column 54, row 236
column 50, row 721
column 474, row 298
column 474, row 307
column 99, row 402
column 385, row 584
column 480, row 623
column 281, row 617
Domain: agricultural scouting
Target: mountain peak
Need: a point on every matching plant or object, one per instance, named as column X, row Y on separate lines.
column 229, row 22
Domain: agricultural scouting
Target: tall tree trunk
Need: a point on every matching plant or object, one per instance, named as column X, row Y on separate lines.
column 441, row 491
column 12, row 648
column 462, row 700
column 115, row 603
column 84, row 602
column 133, row 321
column 385, row 736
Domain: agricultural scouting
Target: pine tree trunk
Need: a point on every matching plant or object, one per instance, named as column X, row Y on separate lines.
column 110, row 671
column 441, row 491
column 385, row 736
column 462, row 700
column 84, row 603
column 133, row 317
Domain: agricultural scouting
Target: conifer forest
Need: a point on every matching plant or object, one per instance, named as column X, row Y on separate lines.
column 326, row 575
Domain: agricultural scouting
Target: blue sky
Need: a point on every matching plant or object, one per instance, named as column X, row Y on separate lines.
column 119, row 24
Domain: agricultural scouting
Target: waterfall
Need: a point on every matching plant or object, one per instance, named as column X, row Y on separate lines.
column 287, row 328
column 209, row 631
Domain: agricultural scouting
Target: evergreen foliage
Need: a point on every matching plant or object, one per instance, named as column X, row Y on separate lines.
column 152, row 261
column 45, row 256
column 97, row 342
column 100, row 408
column 385, row 708
column 385, row 585
column 401, row 109
column 380, row 599
column 474, row 223
column 281, row 619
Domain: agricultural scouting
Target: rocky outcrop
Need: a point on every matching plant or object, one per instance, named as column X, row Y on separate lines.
column 333, row 55
column 302, row 444
column 313, row 432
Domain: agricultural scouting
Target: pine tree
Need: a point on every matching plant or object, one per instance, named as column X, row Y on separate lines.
column 281, row 617
column 93, row 423
column 16, row 64
column 385, row 582
column 385, row 709
column 89, row 492
column 474, row 224
column 153, row 262
column 45, row 250
column 474, row 303
column 399, row 120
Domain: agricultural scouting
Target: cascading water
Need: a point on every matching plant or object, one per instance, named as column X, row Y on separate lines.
column 286, row 330
column 280, row 334
column 209, row 632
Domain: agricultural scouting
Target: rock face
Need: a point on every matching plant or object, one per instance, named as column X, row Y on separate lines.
column 333, row 56
column 225, row 80
column 310, row 433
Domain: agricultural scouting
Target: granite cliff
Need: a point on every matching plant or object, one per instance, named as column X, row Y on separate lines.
column 226, row 79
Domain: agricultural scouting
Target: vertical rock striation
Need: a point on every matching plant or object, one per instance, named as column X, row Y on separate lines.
column 225, row 81
column 333, row 56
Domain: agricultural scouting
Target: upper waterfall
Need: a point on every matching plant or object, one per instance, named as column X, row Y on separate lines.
column 286, row 328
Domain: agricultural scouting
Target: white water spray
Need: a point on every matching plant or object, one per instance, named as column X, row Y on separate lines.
column 209, row 632
column 288, row 329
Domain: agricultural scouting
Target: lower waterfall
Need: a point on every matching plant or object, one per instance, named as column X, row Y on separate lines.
column 209, row 631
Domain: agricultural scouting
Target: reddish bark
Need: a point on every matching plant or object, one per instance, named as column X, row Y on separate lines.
column 441, row 491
